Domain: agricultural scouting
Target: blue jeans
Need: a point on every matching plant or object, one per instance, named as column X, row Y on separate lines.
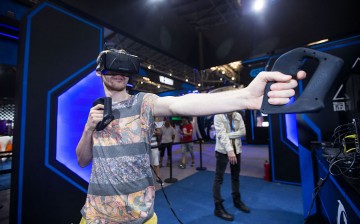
column 221, row 163
column 187, row 147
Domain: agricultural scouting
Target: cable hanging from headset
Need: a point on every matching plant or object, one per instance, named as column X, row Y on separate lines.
column 167, row 200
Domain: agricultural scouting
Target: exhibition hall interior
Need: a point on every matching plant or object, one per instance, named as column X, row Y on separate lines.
column 298, row 163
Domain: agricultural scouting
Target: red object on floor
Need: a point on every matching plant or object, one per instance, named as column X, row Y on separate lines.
column 267, row 171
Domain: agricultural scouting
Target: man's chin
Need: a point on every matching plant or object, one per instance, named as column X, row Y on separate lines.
column 115, row 88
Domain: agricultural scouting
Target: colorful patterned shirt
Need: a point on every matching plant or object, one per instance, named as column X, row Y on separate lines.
column 121, row 187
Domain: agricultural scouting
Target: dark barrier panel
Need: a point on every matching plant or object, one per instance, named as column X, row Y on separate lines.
column 57, row 50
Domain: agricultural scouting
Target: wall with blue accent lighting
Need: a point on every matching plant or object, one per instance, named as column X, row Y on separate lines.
column 44, row 163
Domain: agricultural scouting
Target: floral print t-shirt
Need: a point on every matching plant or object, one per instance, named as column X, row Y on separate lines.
column 121, row 187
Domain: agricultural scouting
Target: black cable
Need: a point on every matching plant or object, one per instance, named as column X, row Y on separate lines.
column 340, row 132
column 319, row 185
column 317, row 189
column 167, row 200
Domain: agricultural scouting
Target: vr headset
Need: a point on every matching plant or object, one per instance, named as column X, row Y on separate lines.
column 119, row 62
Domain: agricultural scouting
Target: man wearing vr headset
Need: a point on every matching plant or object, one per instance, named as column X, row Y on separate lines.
column 122, row 187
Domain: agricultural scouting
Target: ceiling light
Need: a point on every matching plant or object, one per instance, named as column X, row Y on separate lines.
column 258, row 5
column 213, row 68
column 158, row 86
column 235, row 64
column 199, row 84
column 223, row 72
column 186, row 80
column 232, row 78
column 220, row 79
column 149, row 67
column 317, row 42
column 170, row 74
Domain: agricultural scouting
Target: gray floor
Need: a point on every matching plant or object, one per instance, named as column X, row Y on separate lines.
column 252, row 161
column 252, row 164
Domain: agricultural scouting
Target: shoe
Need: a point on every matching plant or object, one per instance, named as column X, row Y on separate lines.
column 182, row 166
column 222, row 213
column 241, row 206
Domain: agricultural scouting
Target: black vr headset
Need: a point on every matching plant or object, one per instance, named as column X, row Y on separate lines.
column 119, row 62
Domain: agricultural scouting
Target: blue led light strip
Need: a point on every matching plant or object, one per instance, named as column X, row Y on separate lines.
column 23, row 113
column 252, row 125
column 8, row 35
column 9, row 27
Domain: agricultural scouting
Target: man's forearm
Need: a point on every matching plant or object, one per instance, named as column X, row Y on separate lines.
column 200, row 104
column 84, row 148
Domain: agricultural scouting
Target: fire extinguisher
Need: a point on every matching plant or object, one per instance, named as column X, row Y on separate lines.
column 267, row 171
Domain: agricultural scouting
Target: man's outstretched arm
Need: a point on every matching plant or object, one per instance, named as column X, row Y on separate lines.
column 247, row 98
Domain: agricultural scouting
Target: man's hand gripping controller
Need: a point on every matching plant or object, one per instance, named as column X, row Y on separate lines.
column 108, row 116
column 312, row 98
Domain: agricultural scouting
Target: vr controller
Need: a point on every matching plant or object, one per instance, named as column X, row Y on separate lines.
column 312, row 98
column 108, row 116
column 118, row 61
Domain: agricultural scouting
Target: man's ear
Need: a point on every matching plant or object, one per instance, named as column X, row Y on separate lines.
column 98, row 73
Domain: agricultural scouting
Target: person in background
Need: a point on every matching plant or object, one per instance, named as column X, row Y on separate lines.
column 187, row 146
column 167, row 133
column 121, row 186
column 155, row 142
column 229, row 129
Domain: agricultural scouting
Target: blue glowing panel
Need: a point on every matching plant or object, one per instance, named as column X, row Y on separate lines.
column 73, row 110
column 291, row 126
column 291, row 129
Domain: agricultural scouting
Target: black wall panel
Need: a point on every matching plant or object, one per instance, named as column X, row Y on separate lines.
column 55, row 46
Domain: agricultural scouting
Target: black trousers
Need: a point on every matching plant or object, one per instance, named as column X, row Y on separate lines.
column 164, row 146
column 221, row 163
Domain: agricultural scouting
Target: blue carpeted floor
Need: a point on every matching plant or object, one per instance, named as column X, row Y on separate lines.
column 191, row 199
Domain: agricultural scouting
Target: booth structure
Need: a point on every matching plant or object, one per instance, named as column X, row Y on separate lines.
column 54, row 57
column 290, row 135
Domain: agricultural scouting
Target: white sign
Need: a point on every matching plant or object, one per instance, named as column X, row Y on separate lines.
column 165, row 80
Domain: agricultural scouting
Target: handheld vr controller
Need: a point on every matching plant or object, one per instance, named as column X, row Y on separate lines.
column 118, row 61
column 312, row 98
column 108, row 116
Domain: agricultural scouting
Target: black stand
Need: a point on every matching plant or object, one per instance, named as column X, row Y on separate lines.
column 170, row 179
column 201, row 168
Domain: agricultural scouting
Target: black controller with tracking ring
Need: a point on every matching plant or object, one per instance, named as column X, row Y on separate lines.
column 108, row 116
column 312, row 98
